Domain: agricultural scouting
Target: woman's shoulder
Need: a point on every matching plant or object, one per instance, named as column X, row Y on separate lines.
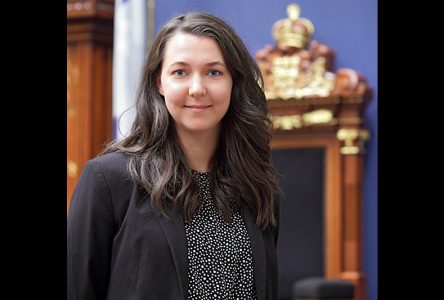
column 105, row 187
column 111, row 172
column 116, row 159
column 113, row 165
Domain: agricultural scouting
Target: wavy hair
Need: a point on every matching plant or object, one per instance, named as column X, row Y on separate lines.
column 242, row 172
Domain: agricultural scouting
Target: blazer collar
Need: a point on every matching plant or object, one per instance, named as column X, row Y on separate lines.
column 173, row 227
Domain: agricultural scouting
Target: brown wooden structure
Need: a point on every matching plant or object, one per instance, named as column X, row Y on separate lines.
column 312, row 107
column 89, row 81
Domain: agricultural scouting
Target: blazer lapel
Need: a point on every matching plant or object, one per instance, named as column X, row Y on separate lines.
column 257, row 247
column 174, row 230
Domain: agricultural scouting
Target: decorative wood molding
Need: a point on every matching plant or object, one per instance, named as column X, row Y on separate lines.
column 353, row 140
column 103, row 9
column 90, row 21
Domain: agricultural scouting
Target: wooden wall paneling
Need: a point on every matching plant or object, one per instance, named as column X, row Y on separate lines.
column 102, row 119
column 89, row 59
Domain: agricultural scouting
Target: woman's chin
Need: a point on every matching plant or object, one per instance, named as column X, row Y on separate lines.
column 201, row 128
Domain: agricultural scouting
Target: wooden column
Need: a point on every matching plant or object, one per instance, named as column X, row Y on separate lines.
column 89, row 81
column 352, row 140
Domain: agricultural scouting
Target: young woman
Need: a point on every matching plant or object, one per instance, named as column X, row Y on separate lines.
column 186, row 206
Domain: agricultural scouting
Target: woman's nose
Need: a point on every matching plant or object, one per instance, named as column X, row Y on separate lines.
column 197, row 87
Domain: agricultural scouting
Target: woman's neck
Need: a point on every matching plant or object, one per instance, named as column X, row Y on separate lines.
column 199, row 148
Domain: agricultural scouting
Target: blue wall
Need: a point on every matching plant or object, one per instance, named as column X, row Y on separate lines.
column 347, row 26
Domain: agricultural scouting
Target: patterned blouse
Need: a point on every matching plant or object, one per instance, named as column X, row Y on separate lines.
column 219, row 253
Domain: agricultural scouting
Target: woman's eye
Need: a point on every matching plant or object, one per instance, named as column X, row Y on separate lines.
column 179, row 73
column 215, row 73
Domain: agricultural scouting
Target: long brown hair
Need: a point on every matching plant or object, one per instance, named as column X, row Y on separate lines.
column 242, row 173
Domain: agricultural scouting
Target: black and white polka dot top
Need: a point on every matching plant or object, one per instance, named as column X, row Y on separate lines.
column 219, row 253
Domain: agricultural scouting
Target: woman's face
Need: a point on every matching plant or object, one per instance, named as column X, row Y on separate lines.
column 195, row 82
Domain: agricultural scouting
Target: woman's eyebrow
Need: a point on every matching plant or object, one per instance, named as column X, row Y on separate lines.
column 210, row 64
column 180, row 63
column 215, row 63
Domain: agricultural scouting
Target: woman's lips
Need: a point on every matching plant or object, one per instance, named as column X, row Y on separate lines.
column 197, row 108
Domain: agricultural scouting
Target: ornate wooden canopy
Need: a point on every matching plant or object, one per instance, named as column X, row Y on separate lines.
column 313, row 106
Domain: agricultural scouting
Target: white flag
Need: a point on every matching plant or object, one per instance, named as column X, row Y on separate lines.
column 130, row 40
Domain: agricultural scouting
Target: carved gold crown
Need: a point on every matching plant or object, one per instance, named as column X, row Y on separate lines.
column 294, row 31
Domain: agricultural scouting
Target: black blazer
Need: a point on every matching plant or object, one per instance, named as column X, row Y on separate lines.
column 120, row 249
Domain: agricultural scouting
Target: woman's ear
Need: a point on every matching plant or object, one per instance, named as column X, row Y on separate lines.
column 159, row 86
